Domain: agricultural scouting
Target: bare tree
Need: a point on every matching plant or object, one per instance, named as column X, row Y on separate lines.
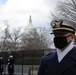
column 66, row 9
column 37, row 40
column 15, row 38
column 10, row 39
column 5, row 37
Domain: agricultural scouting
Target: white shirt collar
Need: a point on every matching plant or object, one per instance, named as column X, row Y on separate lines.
column 61, row 54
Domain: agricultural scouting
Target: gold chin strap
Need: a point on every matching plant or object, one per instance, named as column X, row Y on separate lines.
column 64, row 29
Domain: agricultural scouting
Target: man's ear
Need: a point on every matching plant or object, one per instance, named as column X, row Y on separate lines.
column 73, row 36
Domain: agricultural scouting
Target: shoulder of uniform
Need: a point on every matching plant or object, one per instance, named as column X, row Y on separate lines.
column 49, row 55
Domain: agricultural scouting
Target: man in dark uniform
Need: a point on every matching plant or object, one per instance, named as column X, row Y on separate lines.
column 11, row 65
column 63, row 60
column 1, row 65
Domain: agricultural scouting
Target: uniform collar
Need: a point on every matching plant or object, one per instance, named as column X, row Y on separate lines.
column 61, row 54
column 68, row 61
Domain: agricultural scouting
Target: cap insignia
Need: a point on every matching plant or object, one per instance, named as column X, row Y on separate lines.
column 58, row 23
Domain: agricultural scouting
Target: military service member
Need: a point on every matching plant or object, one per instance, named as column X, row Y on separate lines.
column 1, row 65
column 10, row 65
column 63, row 60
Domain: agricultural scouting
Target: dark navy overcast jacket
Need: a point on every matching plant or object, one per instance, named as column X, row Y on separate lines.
column 49, row 64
